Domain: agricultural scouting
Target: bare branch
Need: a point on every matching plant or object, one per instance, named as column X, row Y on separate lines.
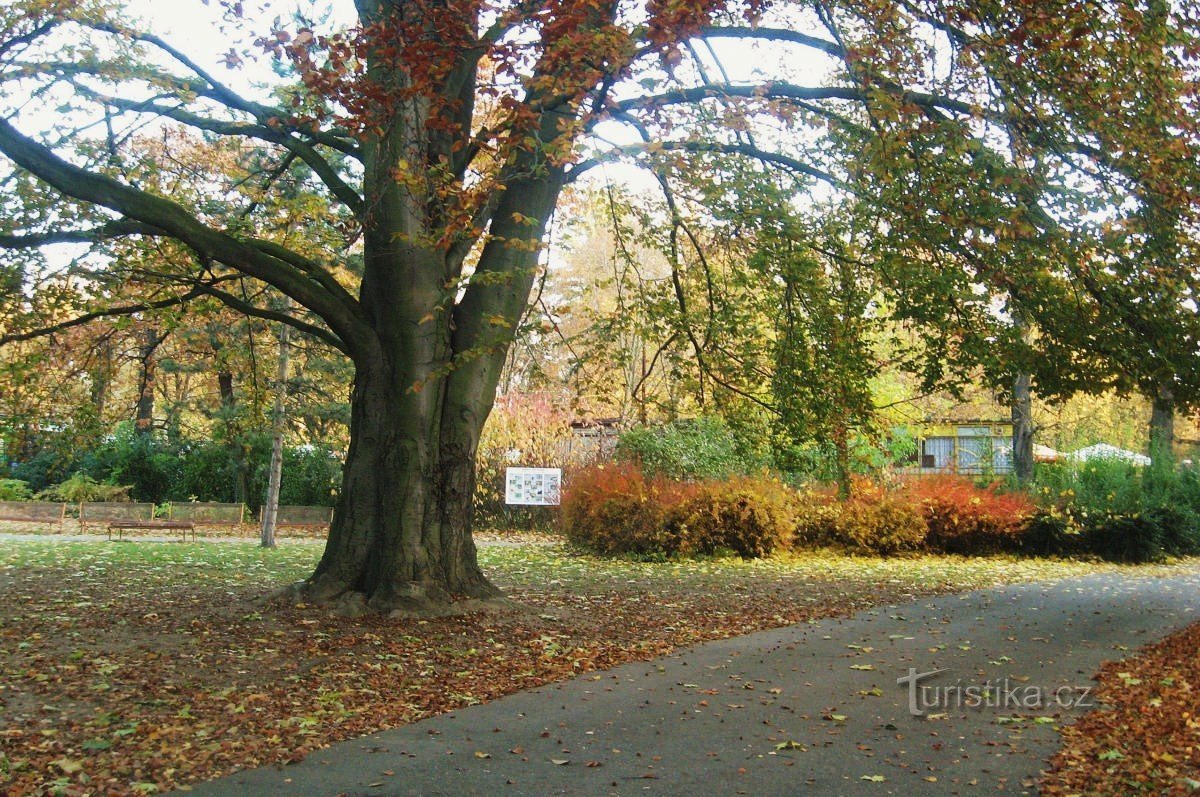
column 776, row 35
column 777, row 90
column 110, row 312
column 320, row 167
column 115, row 229
column 745, row 149
column 247, row 308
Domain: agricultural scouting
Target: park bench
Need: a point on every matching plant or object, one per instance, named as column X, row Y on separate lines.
column 101, row 512
column 50, row 512
column 208, row 513
column 294, row 516
column 120, row 527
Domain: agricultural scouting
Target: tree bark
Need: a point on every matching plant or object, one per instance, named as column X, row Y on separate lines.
column 270, row 507
column 148, row 343
column 1022, row 429
column 234, row 441
column 401, row 532
column 1162, row 428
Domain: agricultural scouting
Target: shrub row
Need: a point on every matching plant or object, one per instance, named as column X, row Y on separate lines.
column 617, row 508
column 1117, row 511
column 1137, row 537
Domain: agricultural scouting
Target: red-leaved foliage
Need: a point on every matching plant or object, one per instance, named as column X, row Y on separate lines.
column 615, row 508
column 964, row 518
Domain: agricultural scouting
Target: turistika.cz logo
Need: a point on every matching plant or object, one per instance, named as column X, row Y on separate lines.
column 1004, row 694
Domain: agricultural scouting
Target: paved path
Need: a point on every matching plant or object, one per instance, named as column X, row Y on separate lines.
column 812, row 709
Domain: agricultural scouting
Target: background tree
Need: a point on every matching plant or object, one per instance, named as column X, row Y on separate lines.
column 438, row 136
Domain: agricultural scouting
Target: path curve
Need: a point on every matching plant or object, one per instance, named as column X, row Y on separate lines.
column 813, row 708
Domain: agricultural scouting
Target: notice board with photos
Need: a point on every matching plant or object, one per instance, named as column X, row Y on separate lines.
column 532, row 486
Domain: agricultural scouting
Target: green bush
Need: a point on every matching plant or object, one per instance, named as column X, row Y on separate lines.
column 82, row 487
column 749, row 517
column 1131, row 539
column 48, row 466
column 700, row 448
column 207, row 472
column 1096, row 488
column 1048, row 534
column 149, row 464
column 311, row 476
column 1177, row 530
column 15, row 490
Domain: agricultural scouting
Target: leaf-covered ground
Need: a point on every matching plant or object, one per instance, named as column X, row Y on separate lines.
column 142, row 666
column 1145, row 739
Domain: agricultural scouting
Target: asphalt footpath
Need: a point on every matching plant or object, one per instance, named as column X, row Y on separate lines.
column 951, row 695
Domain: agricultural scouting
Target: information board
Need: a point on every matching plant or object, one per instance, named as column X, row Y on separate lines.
column 532, row 486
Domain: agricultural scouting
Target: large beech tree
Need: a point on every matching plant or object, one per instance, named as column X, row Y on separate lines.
column 438, row 136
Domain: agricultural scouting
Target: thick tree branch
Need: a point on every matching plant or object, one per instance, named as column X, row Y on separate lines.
column 775, row 35
column 174, row 220
column 777, row 90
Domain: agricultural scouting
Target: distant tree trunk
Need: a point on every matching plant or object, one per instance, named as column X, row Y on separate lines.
column 270, row 507
column 1022, row 431
column 233, row 437
column 1162, row 428
column 102, row 374
column 841, row 461
column 149, row 340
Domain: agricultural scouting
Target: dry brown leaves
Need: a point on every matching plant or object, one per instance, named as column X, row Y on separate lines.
column 145, row 666
column 1146, row 737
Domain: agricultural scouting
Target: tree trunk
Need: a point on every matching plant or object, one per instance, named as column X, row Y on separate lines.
column 841, row 461
column 270, row 507
column 1022, row 431
column 148, row 340
column 1162, row 428
column 401, row 533
column 426, row 373
column 102, row 374
column 234, row 441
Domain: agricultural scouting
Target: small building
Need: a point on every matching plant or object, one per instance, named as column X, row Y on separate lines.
column 592, row 440
column 976, row 446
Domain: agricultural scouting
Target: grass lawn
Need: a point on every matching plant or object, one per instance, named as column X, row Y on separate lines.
column 142, row 666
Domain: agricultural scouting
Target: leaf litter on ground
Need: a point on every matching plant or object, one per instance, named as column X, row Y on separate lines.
column 145, row 666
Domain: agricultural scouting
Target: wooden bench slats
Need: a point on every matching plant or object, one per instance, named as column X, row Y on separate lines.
column 182, row 526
